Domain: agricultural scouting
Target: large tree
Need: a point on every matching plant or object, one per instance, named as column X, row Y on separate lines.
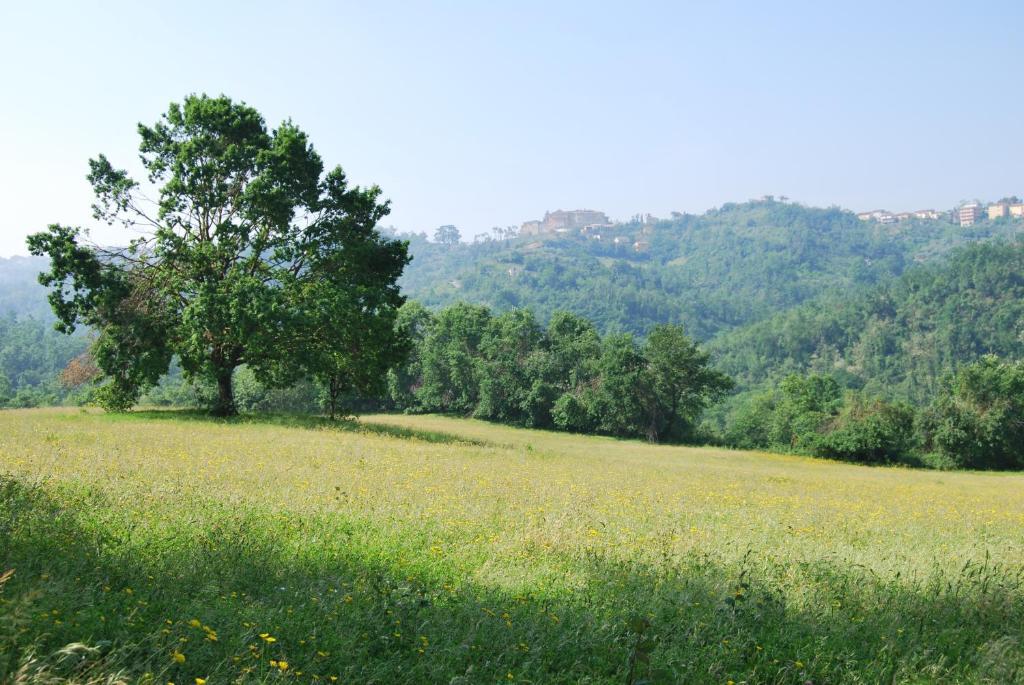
column 250, row 253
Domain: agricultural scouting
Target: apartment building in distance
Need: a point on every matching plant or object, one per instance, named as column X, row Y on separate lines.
column 970, row 213
column 966, row 214
column 998, row 210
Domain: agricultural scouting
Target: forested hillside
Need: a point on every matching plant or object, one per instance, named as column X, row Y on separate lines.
column 727, row 268
column 898, row 339
column 32, row 353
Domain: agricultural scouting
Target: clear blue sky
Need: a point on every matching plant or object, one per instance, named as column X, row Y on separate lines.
column 488, row 113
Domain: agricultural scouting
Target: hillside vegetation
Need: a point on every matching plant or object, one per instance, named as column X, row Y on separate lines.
column 896, row 340
column 156, row 548
column 714, row 272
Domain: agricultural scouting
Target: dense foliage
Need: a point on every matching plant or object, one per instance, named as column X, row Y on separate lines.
column 977, row 421
column 32, row 356
column 712, row 273
column 252, row 255
column 811, row 415
column 508, row 368
column 899, row 339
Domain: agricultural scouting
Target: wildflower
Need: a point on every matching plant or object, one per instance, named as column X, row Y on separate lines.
column 267, row 637
column 200, row 681
column 195, row 623
column 283, row 665
column 178, row 657
column 799, row 664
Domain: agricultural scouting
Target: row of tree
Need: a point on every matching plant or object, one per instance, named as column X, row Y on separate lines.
column 975, row 420
column 465, row 359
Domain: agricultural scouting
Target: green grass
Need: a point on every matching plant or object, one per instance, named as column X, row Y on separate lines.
column 405, row 549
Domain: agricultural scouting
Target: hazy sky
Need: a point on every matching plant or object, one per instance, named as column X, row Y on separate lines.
column 488, row 113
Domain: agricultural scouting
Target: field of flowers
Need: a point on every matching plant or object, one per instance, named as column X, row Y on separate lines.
column 164, row 548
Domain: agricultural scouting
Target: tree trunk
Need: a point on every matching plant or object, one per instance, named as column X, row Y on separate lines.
column 225, row 394
column 332, row 390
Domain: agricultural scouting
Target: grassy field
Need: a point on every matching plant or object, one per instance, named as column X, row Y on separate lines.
column 164, row 548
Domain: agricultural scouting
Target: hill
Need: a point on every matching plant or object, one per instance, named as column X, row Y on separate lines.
column 730, row 267
column 423, row 549
column 897, row 339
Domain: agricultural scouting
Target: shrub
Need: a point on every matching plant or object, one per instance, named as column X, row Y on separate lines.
column 977, row 421
column 871, row 431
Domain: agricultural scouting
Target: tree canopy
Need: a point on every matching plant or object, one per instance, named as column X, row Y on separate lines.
column 509, row 368
column 250, row 253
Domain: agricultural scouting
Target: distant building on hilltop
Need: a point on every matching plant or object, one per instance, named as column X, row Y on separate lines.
column 529, row 228
column 880, row 215
column 885, row 217
column 998, row 210
column 563, row 221
column 970, row 213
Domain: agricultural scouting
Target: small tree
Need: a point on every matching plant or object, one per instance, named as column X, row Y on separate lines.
column 450, row 359
column 447, row 235
column 679, row 382
column 251, row 255
column 412, row 322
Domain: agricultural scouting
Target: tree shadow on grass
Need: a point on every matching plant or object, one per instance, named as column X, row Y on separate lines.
column 227, row 594
column 349, row 424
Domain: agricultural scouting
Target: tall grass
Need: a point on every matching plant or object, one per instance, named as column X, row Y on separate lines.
column 432, row 550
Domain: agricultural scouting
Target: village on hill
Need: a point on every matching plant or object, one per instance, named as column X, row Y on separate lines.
column 965, row 214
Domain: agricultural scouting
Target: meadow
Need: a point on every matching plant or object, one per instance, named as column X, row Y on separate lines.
column 160, row 547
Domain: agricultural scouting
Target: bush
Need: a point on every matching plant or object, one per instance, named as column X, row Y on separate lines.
column 870, row 431
column 978, row 419
column 570, row 413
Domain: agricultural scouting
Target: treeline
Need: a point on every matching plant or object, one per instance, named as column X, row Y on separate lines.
column 975, row 420
column 467, row 360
